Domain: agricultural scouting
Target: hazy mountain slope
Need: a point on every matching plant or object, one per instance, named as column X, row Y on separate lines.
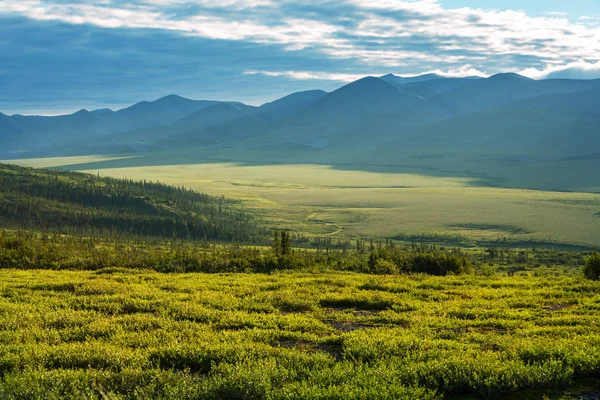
column 582, row 104
column 211, row 125
column 368, row 109
column 500, row 89
column 292, row 103
column 527, row 132
column 441, row 85
column 216, row 124
column 103, row 111
column 8, row 126
column 163, row 111
column 525, row 137
column 401, row 81
column 11, row 136
column 40, row 133
column 215, row 114
column 544, row 126
column 436, row 82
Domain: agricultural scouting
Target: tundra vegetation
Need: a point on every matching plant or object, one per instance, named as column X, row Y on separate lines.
column 120, row 334
column 172, row 302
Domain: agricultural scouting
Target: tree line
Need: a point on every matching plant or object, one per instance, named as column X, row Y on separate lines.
column 87, row 205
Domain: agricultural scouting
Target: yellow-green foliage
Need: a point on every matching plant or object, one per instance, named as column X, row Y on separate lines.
column 591, row 269
column 118, row 333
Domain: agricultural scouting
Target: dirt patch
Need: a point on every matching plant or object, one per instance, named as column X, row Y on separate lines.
column 558, row 307
column 333, row 350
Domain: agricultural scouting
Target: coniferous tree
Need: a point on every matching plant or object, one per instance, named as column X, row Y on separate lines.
column 286, row 244
column 276, row 243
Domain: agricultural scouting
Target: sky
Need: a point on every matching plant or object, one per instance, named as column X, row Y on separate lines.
column 58, row 56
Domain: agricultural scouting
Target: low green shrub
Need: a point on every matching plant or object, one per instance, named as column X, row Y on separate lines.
column 591, row 270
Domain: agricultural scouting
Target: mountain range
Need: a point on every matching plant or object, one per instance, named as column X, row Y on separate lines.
column 505, row 130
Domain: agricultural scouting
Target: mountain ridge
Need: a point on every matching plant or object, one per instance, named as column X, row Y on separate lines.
column 506, row 120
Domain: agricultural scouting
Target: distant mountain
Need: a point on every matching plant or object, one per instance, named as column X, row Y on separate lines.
column 10, row 135
column 433, row 81
column 214, row 115
column 354, row 114
column 500, row 89
column 503, row 127
column 581, row 104
column 102, row 111
column 512, row 145
column 7, row 125
column 48, row 131
column 439, row 86
column 375, row 98
column 400, row 81
column 37, row 133
column 163, row 111
column 292, row 103
column 215, row 124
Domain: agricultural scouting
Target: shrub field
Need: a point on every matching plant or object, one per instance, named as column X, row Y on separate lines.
column 128, row 334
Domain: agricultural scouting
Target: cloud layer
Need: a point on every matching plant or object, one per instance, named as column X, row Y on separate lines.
column 281, row 41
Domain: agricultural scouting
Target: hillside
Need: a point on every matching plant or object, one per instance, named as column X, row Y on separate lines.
column 369, row 109
column 82, row 204
column 291, row 104
column 47, row 135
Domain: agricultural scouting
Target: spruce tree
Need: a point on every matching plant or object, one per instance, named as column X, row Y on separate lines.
column 276, row 243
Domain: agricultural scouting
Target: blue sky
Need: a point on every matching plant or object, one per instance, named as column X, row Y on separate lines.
column 61, row 55
column 573, row 8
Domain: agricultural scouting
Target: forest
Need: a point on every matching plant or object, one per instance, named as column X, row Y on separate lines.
column 87, row 205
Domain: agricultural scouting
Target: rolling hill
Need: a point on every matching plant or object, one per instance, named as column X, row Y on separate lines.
column 87, row 205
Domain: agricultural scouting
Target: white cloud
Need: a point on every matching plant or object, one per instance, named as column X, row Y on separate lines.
column 449, row 38
column 575, row 70
column 460, row 72
column 237, row 4
column 309, row 75
column 463, row 71
column 557, row 13
column 415, row 6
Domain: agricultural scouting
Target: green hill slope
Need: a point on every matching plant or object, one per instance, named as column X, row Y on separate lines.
column 75, row 203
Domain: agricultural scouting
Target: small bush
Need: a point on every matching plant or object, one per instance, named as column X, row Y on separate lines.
column 385, row 267
column 591, row 270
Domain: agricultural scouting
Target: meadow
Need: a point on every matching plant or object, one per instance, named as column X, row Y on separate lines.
column 129, row 313
column 396, row 203
column 124, row 334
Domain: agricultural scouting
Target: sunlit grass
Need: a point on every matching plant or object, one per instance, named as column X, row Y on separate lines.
column 131, row 334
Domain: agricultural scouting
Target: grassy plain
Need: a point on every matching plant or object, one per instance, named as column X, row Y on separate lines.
column 323, row 200
column 115, row 334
